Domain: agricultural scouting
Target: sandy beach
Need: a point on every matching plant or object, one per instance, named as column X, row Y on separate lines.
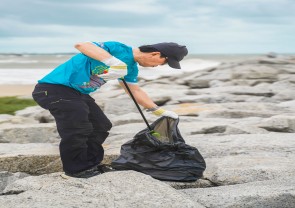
column 16, row 90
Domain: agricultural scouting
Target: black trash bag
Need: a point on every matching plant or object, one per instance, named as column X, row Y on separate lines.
column 165, row 158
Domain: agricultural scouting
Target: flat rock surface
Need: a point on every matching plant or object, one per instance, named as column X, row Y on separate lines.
column 239, row 115
column 266, row 194
column 117, row 189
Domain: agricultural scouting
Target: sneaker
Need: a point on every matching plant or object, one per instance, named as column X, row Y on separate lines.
column 102, row 168
column 85, row 174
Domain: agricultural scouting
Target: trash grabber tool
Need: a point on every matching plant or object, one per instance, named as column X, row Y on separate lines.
column 155, row 134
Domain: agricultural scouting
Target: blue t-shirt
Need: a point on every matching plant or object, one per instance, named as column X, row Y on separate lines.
column 80, row 71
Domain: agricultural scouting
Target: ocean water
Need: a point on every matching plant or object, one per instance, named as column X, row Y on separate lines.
column 26, row 69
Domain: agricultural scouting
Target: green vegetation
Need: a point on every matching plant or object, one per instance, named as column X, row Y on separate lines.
column 8, row 105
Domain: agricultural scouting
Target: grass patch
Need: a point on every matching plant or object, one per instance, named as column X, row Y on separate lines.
column 8, row 105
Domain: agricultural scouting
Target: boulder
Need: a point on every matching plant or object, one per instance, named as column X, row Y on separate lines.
column 234, row 114
column 243, row 158
column 41, row 158
column 37, row 113
column 6, row 119
column 7, row 178
column 271, row 193
column 29, row 133
column 279, row 124
column 254, row 72
column 116, row 189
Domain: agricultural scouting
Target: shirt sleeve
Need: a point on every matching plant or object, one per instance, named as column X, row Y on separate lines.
column 132, row 73
column 123, row 53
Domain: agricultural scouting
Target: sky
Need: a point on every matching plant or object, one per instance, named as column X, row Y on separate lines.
column 204, row 26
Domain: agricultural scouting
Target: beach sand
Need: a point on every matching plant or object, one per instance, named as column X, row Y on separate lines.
column 16, row 90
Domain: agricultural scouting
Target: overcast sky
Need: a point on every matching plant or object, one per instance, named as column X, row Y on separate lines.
column 204, row 26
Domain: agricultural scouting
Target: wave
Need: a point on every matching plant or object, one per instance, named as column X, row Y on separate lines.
column 18, row 61
column 30, row 76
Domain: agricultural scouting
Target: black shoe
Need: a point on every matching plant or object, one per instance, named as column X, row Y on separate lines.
column 102, row 168
column 86, row 173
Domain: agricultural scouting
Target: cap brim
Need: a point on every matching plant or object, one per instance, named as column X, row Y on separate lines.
column 173, row 63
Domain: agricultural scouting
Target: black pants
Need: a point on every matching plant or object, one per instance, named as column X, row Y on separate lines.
column 81, row 124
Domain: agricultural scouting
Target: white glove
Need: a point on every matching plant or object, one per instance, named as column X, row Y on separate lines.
column 117, row 69
column 162, row 112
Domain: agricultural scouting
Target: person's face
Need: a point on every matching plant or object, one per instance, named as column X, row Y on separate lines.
column 152, row 59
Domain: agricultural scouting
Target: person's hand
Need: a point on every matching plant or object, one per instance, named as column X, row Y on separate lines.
column 162, row 112
column 118, row 69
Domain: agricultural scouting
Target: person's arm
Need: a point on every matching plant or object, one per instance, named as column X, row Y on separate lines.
column 117, row 68
column 140, row 96
column 144, row 100
column 93, row 51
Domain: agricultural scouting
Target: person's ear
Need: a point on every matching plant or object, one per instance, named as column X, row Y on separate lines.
column 156, row 53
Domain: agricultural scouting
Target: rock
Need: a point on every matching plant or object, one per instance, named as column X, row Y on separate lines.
column 287, row 77
column 128, row 129
column 218, row 83
column 254, row 72
column 40, row 158
column 235, row 90
column 287, row 69
column 7, row 178
column 276, row 61
column 244, row 129
column 200, row 183
column 198, row 83
column 271, row 193
column 29, row 133
column 253, row 106
column 234, row 114
column 31, row 158
column 188, row 109
column 162, row 93
column 116, row 189
column 244, row 158
column 220, row 128
column 272, row 55
column 125, row 119
column 5, row 118
column 279, row 124
column 288, row 104
column 36, row 113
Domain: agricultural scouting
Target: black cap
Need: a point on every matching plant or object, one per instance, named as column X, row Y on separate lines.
column 172, row 51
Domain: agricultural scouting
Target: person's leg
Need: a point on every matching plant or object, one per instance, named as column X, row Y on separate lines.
column 74, row 116
column 71, row 116
column 101, row 126
column 74, row 128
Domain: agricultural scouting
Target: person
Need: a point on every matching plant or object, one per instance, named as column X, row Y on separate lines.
column 81, row 124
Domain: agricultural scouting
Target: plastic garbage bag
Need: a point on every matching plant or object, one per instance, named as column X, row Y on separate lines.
column 165, row 158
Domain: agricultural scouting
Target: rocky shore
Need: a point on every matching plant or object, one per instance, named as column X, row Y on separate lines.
column 240, row 116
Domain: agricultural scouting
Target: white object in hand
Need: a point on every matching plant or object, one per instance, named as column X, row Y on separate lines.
column 118, row 69
column 163, row 112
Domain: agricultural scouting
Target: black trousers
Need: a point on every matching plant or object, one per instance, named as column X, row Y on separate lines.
column 81, row 124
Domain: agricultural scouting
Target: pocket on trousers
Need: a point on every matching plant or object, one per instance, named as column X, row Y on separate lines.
column 59, row 101
column 41, row 97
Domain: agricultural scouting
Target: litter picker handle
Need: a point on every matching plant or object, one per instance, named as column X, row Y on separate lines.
column 140, row 111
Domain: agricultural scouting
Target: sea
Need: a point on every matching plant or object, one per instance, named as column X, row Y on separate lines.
column 27, row 69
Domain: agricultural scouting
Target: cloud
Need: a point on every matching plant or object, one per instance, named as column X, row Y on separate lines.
column 205, row 26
